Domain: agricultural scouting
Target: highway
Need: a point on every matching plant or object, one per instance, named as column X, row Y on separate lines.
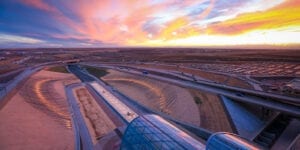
column 127, row 108
column 12, row 84
column 79, row 126
column 126, row 113
column 288, row 105
column 84, row 77
column 261, row 94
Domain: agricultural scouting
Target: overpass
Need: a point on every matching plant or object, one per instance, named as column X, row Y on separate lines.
column 284, row 104
column 155, row 131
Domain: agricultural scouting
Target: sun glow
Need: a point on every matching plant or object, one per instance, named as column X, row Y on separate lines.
column 259, row 37
column 148, row 23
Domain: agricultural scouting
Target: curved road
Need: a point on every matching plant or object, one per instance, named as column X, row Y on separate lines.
column 288, row 105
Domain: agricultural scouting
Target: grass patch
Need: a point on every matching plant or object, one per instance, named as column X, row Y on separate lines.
column 197, row 100
column 61, row 69
column 97, row 71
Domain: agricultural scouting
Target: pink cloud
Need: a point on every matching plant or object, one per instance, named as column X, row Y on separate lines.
column 39, row 4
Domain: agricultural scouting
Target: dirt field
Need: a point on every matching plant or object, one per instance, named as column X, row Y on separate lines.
column 99, row 124
column 200, row 108
column 159, row 96
column 212, row 114
column 37, row 116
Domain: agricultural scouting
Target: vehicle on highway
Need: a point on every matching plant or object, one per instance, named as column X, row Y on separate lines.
column 240, row 94
column 145, row 72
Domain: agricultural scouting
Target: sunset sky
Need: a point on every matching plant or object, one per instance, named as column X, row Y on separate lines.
column 95, row 23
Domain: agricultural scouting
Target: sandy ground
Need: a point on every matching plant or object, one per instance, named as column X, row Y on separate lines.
column 176, row 101
column 98, row 123
column 212, row 113
column 160, row 96
column 37, row 117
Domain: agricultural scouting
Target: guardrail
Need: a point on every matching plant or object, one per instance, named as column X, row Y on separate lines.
column 284, row 105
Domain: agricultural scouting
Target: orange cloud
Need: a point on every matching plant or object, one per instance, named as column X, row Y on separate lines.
column 135, row 14
column 286, row 14
column 173, row 28
column 123, row 22
column 181, row 28
column 178, row 28
column 102, row 20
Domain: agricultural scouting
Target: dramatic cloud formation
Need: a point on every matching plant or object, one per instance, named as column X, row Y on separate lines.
column 89, row 23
